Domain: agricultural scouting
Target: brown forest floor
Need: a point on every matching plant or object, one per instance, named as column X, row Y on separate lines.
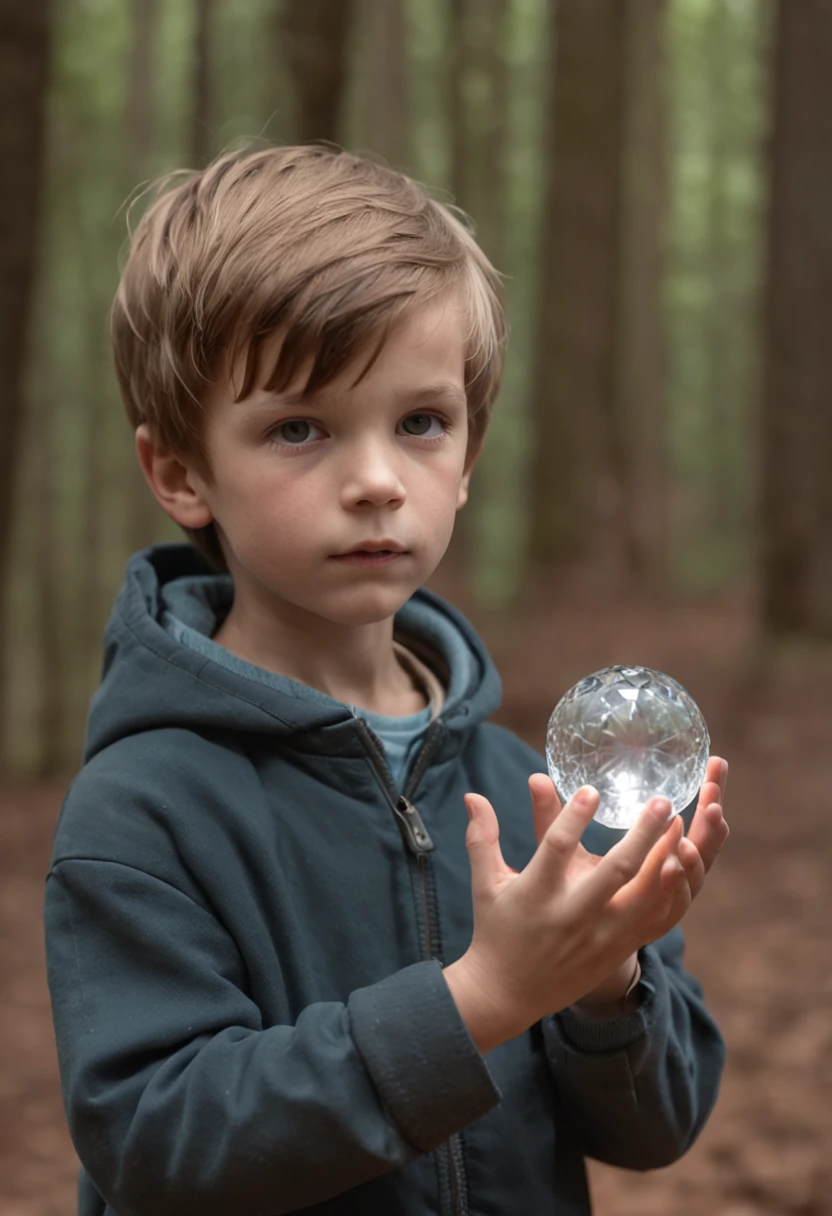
column 758, row 938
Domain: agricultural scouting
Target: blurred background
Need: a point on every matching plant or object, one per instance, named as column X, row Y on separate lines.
column 654, row 179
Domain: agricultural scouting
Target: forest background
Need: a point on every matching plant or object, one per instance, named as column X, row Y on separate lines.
column 654, row 178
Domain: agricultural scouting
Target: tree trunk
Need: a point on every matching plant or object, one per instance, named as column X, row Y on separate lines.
column 144, row 16
column 141, row 518
column 797, row 415
column 202, row 130
column 720, row 512
column 316, row 35
column 494, row 572
column 458, row 555
column 387, row 122
column 459, row 67
column 572, row 491
column 491, row 144
column 478, row 84
column 52, row 656
column 478, row 100
column 637, row 422
column 24, row 51
column 97, row 419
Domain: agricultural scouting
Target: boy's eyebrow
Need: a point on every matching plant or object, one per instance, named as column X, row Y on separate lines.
column 430, row 393
column 444, row 391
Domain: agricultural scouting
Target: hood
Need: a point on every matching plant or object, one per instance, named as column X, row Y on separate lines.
column 153, row 680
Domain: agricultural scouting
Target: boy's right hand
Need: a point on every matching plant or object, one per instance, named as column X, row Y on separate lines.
column 545, row 937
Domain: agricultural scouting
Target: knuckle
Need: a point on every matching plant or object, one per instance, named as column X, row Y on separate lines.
column 680, row 872
column 555, row 845
column 675, row 908
column 477, row 837
column 622, row 869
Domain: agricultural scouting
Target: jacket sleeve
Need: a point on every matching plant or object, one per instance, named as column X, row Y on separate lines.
column 179, row 1099
column 639, row 1088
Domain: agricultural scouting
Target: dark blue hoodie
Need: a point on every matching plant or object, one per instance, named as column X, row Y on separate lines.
column 246, row 925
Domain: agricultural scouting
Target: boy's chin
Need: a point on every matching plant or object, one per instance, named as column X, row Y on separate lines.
column 368, row 606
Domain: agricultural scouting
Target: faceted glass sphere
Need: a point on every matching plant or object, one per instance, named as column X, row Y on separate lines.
column 634, row 734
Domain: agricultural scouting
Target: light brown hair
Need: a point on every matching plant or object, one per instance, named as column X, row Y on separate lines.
column 325, row 247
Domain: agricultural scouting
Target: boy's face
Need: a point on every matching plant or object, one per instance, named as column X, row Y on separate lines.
column 297, row 485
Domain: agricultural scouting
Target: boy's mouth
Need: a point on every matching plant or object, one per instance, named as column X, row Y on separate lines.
column 385, row 545
column 369, row 557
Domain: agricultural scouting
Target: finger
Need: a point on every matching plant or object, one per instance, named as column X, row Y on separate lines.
column 708, row 832
column 716, row 773
column 693, row 866
column 625, row 859
column 675, row 892
column 482, row 840
column 557, row 847
column 665, row 848
column 647, row 882
column 713, row 769
column 723, row 778
column 709, row 792
column 546, row 805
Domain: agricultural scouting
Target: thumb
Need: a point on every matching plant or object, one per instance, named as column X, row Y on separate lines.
column 482, row 839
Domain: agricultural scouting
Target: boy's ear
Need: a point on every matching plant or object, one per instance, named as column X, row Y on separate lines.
column 175, row 486
column 464, row 485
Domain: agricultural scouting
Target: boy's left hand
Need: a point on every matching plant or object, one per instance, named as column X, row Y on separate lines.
column 694, row 853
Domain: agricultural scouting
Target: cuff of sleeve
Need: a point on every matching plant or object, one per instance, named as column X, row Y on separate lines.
column 426, row 1067
column 597, row 1035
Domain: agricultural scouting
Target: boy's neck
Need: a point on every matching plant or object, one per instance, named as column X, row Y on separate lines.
column 354, row 664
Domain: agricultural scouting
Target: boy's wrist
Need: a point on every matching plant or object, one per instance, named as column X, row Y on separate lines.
column 615, row 996
column 488, row 1024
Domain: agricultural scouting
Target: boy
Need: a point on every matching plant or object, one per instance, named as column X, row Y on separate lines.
column 280, row 981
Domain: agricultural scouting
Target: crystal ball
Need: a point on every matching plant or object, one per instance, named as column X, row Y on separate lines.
column 634, row 734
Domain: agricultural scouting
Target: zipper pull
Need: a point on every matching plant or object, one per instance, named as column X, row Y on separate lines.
column 414, row 831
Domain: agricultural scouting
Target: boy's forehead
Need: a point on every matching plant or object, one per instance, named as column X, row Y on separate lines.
column 422, row 355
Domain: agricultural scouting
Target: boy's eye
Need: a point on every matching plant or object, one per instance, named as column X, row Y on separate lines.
column 300, row 432
column 295, row 432
column 419, row 425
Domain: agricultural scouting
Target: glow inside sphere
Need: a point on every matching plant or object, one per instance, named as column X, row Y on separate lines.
column 633, row 733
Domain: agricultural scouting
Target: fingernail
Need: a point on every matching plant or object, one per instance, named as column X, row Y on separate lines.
column 586, row 795
column 663, row 806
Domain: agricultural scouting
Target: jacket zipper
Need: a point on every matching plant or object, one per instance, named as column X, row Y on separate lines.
column 419, row 844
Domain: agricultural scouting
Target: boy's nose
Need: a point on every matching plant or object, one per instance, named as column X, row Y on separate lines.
column 371, row 477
